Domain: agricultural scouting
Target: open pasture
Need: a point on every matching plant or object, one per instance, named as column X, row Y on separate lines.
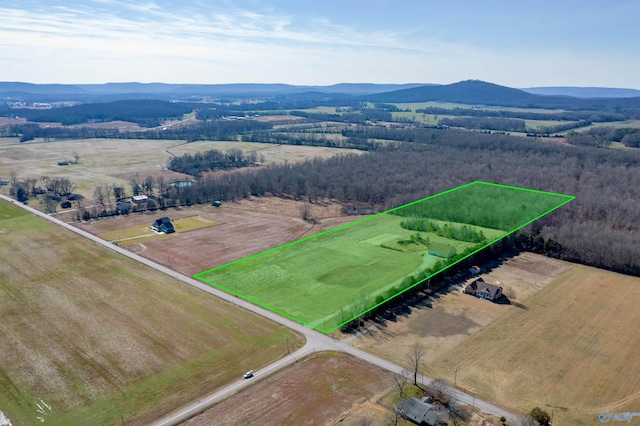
column 115, row 161
column 574, row 348
column 102, row 339
column 333, row 277
column 270, row 153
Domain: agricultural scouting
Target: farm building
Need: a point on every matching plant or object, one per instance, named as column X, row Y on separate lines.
column 139, row 199
column 163, row 225
column 442, row 250
column 420, row 412
column 484, row 290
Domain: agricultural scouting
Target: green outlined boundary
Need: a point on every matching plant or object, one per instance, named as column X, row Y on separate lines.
column 199, row 276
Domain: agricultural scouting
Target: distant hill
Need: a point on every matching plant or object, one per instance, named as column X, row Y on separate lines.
column 585, row 92
column 477, row 92
column 467, row 92
column 114, row 91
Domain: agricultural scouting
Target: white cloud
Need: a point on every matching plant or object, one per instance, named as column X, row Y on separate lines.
column 122, row 41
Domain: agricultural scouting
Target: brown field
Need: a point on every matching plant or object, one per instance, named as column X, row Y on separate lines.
column 273, row 154
column 107, row 161
column 102, row 339
column 454, row 316
column 247, row 227
column 573, row 348
column 322, row 389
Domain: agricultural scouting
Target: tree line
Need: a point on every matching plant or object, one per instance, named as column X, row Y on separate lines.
column 200, row 162
column 600, row 227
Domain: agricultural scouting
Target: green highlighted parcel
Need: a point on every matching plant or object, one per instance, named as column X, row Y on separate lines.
column 331, row 278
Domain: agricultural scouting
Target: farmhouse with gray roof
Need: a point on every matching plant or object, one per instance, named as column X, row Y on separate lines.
column 421, row 412
column 163, row 225
column 484, row 290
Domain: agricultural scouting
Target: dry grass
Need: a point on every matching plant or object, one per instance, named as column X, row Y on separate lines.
column 325, row 388
column 273, row 154
column 574, row 347
column 247, row 227
column 107, row 161
column 136, row 234
column 98, row 336
column 451, row 317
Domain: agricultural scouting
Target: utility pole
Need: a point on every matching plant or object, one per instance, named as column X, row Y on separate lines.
column 288, row 344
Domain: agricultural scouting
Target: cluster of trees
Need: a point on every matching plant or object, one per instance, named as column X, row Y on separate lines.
column 202, row 130
column 448, row 230
column 146, row 113
column 311, row 139
column 591, row 116
column 213, row 159
column 359, row 117
column 603, row 136
column 486, row 123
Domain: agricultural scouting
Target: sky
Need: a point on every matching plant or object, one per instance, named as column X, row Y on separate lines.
column 515, row 43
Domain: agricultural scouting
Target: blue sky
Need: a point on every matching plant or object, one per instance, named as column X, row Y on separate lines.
column 510, row 42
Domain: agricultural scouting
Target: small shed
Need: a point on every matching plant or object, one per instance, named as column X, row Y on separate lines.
column 163, row 225
column 441, row 250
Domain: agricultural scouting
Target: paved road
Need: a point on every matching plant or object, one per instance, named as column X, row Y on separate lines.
column 316, row 341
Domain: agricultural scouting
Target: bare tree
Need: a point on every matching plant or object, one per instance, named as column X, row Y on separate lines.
column 394, row 416
column 162, row 185
column 31, row 185
column 414, row 357
column 108, row 190
column 76, row 157
column 135, row 184
column 50, row 205
column 149, row 185
column 98, row 195
column 439, row 390
column 510, row 293
column 305, row 212
column 400, row 381
column 458, row 414
column 13, row 175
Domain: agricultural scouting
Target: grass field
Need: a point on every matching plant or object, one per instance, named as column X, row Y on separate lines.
column 333, row 277
column 107, row 161
column 574, row 348
column 104, row 340
column 137, row 234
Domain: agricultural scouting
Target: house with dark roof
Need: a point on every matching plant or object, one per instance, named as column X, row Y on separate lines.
column 163, row 225
column 441, row 250
column 484, row 290
column 421, row 412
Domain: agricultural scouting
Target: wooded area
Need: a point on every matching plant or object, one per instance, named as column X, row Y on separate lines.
column 600, row 227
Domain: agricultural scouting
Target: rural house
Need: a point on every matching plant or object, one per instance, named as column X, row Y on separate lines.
column 484, row 290
column 163, row 225
column 420, row 412
column 442, row 250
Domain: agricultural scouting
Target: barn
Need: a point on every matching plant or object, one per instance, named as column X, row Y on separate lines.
column 442, row 250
